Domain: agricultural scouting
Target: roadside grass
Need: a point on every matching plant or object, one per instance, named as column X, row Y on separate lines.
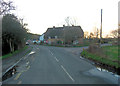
column 15, row 52
column 28, row 52
column 111, row 53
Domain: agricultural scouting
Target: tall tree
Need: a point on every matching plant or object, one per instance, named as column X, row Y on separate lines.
column 0, row 35
column 13, row 33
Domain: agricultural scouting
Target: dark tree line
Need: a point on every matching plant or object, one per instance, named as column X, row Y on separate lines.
column 13, row 34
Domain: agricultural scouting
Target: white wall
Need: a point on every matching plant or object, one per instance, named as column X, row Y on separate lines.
column 42, row 37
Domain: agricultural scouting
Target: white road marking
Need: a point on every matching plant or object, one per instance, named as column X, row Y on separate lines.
column 31, row 52
column 67, row 73
column 81, row 57
column 56, row 59
column 51, row 53
column 27, row 63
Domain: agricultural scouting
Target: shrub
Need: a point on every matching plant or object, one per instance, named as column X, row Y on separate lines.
column 93, row 48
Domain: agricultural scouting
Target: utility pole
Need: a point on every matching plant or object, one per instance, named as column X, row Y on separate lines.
column 101, row 32
column 101, row 28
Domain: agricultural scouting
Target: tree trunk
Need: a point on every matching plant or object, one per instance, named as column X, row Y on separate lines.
column 18, row 47
column 13, row 47
column 10, row 43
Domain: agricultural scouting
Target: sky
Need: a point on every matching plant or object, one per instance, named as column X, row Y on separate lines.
column 42, row 14
column 119, row 13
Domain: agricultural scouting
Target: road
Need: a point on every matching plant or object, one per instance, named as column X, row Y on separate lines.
column 56, row 65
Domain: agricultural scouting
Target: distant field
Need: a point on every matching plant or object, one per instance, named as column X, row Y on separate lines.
column 111, row 53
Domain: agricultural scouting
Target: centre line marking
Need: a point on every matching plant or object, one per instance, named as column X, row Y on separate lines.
column 67, row 73
column 56, row 59
column 51, row 53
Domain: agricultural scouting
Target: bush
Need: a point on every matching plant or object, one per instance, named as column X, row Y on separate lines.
column 94, row 48
column 115, row 43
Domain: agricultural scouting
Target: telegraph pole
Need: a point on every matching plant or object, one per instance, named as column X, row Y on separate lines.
column 101, row 28
column 101, row 32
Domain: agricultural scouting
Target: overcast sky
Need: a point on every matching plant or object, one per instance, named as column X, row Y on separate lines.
column 41, row 14
column 119, row 12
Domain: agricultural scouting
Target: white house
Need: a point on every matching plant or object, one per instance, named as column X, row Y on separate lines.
column 41, row 37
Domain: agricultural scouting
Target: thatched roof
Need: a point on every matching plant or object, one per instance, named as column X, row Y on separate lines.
column 52, row 32
column 66, row 31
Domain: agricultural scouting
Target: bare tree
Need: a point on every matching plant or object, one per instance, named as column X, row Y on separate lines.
column 6, row 7
column 70, row 21
column 73, row 21
column 96, row 32
column 91, row 35
column 67, row 20
column 114, row 33
column 86, row 35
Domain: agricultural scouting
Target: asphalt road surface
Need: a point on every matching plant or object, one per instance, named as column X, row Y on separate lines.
column 55, row 65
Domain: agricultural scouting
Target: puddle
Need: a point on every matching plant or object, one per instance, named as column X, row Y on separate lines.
column 13, row 69
column 104, row 70
column 9, row 73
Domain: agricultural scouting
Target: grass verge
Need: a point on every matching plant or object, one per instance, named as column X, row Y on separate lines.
column 111, row 58
column 15, row 52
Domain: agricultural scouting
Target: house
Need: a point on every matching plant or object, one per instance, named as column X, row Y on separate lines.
column 41, row 37
column 64, row 35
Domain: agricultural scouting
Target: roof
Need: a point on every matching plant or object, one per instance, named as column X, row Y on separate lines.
column 52, row 32
column 62, row 31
